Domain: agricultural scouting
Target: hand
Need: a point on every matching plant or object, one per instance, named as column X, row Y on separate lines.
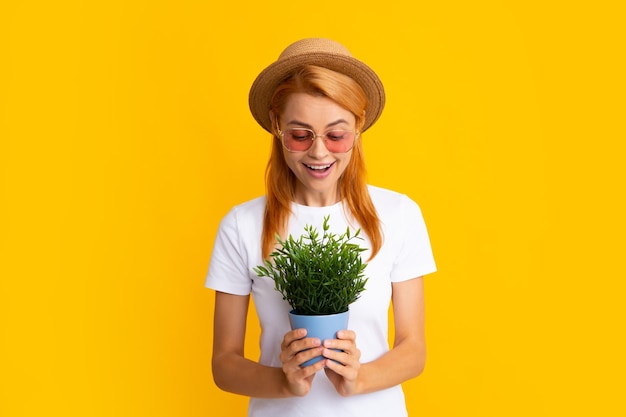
column 343, row 375
column 295, row 350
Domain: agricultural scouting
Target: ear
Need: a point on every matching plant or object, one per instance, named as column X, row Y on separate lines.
column 360, row 122
column 274, row 122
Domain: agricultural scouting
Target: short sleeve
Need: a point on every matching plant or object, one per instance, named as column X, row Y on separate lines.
column 227, row 268
column 414, row 257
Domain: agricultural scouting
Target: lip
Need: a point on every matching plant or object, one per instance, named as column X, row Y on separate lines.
column 319, row 173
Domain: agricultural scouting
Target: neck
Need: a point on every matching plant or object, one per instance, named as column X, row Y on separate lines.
column 321, row 199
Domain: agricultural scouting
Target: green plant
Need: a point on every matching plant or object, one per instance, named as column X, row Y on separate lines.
column 317, row 276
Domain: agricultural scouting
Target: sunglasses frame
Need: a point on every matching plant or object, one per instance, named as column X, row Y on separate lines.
column 315, row 136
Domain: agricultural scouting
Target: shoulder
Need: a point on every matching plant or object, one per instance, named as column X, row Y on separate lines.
column 245, row 216
column 248, row 210
column 391, row 203
column 251, row 207
column 384, row 194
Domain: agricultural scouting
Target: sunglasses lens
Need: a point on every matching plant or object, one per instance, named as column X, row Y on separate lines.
column 298, row 140
column 339, row 141
column 336, row 141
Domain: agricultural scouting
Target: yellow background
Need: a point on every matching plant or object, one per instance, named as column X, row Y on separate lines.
column 125, row 137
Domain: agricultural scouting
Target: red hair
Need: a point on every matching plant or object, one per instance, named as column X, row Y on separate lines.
column 281, row 182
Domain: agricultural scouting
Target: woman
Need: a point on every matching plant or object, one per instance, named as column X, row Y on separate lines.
column 317, row 100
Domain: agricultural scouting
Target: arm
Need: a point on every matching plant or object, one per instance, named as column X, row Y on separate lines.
column 234, row 373
column 405, row 361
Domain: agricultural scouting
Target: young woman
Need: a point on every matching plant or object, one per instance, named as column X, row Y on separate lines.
column 317, row 100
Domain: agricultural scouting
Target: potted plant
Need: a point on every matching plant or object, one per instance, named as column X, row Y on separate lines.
column 319, row 278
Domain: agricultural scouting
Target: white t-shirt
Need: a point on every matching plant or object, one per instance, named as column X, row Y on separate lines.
column 405, row 254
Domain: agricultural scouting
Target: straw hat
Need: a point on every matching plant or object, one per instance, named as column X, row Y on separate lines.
column 324, row 53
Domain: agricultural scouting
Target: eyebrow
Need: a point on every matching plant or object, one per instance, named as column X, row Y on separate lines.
column 308, row 126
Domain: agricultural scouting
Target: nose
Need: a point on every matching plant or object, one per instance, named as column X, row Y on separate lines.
column 318, row 147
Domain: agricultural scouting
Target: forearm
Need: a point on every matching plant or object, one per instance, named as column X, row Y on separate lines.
column 405, row 361
column 407, row 358
column 232, row 372
column 236, row 374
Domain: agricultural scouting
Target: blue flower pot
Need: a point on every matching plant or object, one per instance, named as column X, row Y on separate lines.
column 322, row 327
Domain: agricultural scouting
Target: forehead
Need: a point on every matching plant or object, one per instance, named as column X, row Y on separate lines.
column 315, row 111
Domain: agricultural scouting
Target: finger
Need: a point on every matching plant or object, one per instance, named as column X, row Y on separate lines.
column 304, row 345
column 307, row 354
column 301, row 350
column 294, row 341
column 334, row 356
column 345, row 352
column 291, row 336
column 346, row 335
column 342, row 364
column 294, row 365
column 335, row 366
column 303, row 357
column 347, row 346
column 300, row 379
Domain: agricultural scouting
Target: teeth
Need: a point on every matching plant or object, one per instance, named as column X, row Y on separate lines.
column 319, row 167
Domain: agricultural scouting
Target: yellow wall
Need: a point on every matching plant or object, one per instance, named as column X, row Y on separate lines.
column 125, row 137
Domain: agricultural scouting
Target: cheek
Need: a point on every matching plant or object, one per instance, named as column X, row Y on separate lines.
column 291, row 162
column 344, row 163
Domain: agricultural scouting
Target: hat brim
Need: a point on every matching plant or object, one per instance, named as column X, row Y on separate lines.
column 271, row 77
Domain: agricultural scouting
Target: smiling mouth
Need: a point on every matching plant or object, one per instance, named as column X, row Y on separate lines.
column 319, row 168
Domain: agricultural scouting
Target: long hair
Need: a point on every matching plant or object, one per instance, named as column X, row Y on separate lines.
column 281, row 182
